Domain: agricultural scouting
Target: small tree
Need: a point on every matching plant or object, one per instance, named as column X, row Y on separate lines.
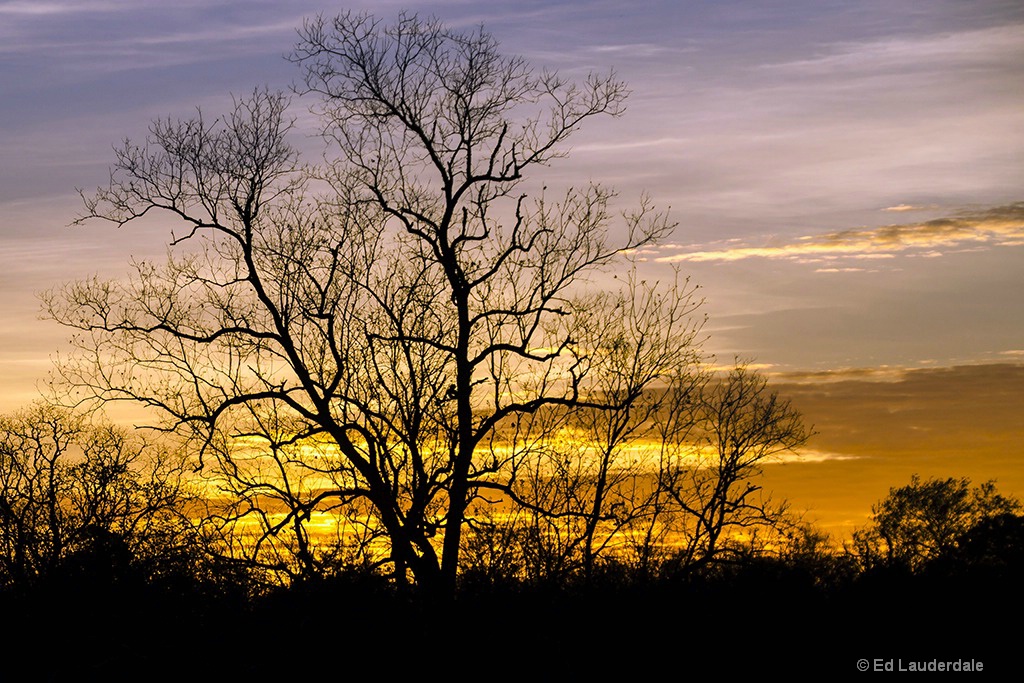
column 593, row 490
column 716, row 441
column 924, row 520
column 71, row 487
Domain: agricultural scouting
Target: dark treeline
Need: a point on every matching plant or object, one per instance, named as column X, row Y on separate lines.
column 805, row 614
column 107, row 566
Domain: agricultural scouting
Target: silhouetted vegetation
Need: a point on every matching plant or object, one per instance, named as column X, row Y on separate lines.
column 395, row 358
column 394, row 415
column 183, row 607
column 927, row 521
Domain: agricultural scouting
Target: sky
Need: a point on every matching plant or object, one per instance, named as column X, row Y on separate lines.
column 846, row 178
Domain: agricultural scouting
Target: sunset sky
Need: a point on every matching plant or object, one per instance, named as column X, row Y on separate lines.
column 846, row 178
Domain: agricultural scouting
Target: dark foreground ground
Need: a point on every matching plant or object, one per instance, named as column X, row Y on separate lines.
column 740, row 628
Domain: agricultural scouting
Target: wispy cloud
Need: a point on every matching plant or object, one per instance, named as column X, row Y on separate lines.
column 31, row 8
column 875, row 374
column 903, row 52
column 106, row 36
column 813, row 455
column 644, row 50
column 998, row 226
column 631, row 145
column 899, row 208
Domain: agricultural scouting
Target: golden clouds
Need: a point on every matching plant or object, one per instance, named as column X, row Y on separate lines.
column 997, row 226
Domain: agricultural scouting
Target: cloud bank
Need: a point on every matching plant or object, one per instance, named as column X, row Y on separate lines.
column 993, row 227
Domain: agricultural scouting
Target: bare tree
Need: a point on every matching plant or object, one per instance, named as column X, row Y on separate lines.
column 368, row 326
column 716, row 443
column 592, row 489
column 68, row 483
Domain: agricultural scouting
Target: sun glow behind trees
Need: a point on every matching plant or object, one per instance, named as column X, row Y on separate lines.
column 563, row 503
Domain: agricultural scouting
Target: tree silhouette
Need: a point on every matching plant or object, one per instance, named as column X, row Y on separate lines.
column 927, row 519
column 716, row 441
column 992, row 550
column 589, row 486
column 361, row 336
column 80, row 495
